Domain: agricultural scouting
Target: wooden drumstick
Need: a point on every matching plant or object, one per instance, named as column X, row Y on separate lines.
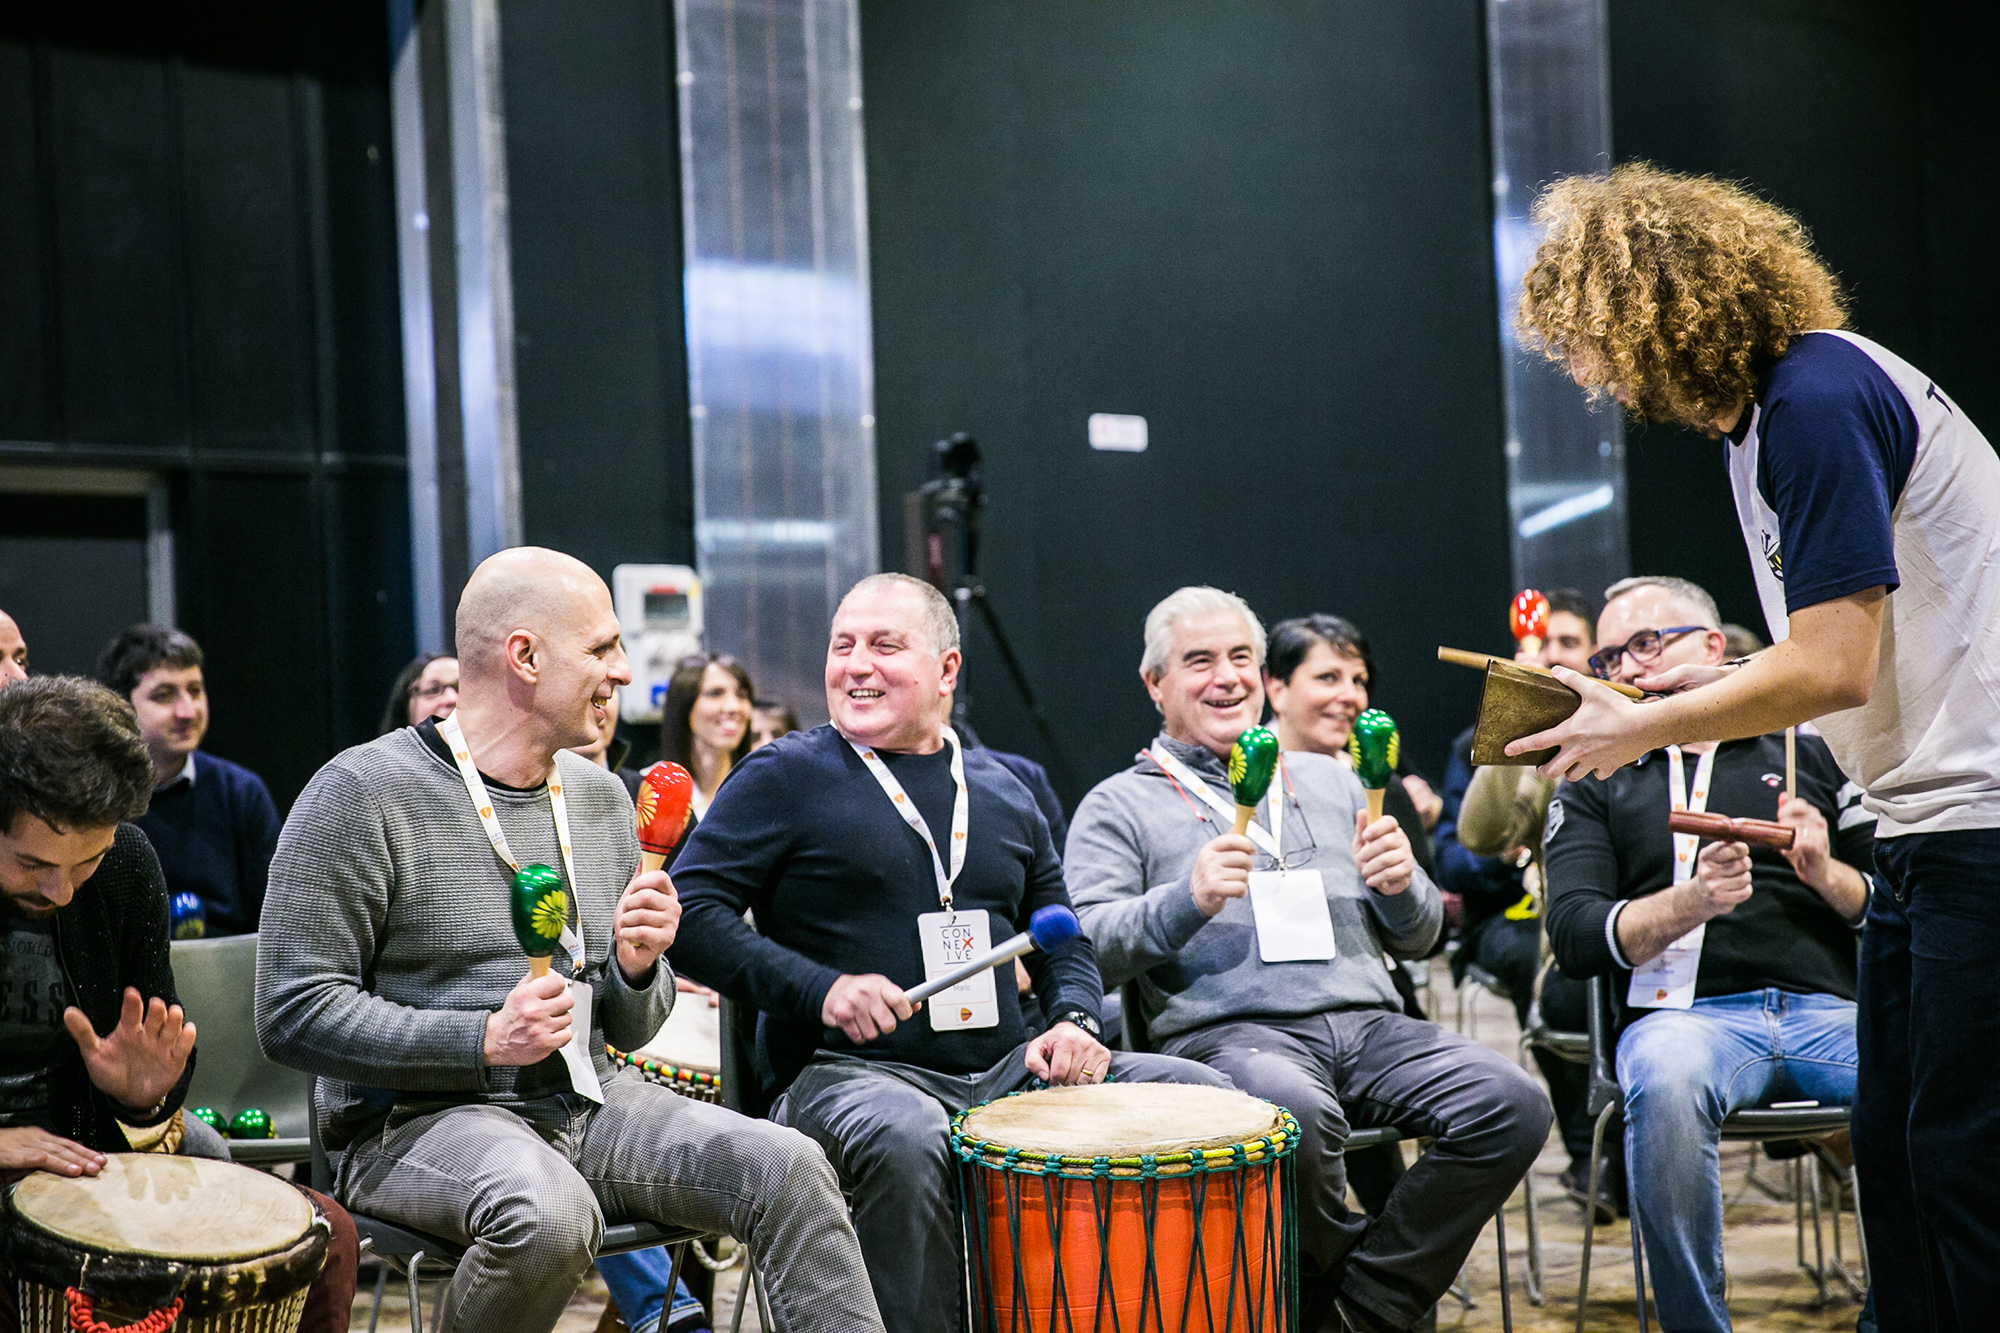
column 1528, row 617
column 1480, row 661
column 1374, row 745
column 1721, row 828
column 1791, row 762
column 665, row 798
column 539, row 907
column 1253, row 761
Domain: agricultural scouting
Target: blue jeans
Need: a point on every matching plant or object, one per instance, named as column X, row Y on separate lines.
column 1928, row 1115
column 1682, row 1071
column 638, row 1285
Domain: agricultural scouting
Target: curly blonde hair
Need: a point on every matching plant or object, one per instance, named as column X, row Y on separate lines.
column 1671, row 293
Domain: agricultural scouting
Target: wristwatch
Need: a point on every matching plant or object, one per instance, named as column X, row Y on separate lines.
column 1083, row 1019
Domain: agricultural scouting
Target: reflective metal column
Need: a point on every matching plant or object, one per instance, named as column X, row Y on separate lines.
column 1549, row 84
column 780, row 352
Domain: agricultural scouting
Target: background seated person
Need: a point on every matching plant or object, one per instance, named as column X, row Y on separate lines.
column 848, row 897
column 95, row 1053
column 426, row 687
column 1761, row 1008
column 461, row 1095
column 1163, row 888
column 212, row 823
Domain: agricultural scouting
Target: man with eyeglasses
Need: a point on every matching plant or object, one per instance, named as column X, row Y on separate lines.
column 1734, row 967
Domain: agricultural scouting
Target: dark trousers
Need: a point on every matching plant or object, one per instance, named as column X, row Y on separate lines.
column 887, row 1130
column 1512, row 951
column 1369, row 1068
column 1927, row 1105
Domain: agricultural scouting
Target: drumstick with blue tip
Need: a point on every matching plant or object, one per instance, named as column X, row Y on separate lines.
column 1048, row 927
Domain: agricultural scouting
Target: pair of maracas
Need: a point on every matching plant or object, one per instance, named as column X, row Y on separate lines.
column 1372, row 745
column 538, row 902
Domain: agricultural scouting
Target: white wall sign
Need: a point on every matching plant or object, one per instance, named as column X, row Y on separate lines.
column 1108, row 430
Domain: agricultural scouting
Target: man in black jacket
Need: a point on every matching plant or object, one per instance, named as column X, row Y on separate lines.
column 1734, row 968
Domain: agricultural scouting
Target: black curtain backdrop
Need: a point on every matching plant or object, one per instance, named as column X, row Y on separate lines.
column 197, row 220
column 1879, row 126
column 1264, row 228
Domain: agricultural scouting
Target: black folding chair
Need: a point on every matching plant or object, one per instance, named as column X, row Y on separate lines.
column 1751, row 1125
column 408, row 1251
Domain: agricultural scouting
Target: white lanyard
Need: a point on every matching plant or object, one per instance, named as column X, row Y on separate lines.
column 475, row 787
column 960, row 810
column 1694, row 802
column 1188, row 778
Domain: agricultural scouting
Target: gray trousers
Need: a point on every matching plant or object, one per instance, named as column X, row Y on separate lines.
column 886, row 1129
column 527, row 1190
column 1370, row 1068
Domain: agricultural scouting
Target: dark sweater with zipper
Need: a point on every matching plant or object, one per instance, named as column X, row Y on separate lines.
column 112, row 934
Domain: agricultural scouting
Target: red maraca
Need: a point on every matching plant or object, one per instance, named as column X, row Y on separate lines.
column 1529, row 619
column 665, row 797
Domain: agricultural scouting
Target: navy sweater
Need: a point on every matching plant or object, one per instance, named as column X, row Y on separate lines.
column 803, row 836
column 215, row 838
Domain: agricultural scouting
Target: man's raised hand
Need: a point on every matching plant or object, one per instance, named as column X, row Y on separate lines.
column 1221, row 872
column 532, row 1025
column 139, row 1063
column 648, row 916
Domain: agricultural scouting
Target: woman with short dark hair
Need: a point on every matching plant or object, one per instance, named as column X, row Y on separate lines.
column 427, row 687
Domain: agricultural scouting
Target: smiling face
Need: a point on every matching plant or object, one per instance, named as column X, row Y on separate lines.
column 40, row 868
column 1567, row 644
column 1655, row 608
column 172, row 704
column 884, row 681
column 585, row 666
column 1316, row 708
column 1211, row 689
column 721, row 711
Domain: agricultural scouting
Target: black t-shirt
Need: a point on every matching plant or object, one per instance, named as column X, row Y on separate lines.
column 802, row 835
column 1608, row 840
column 33, row 996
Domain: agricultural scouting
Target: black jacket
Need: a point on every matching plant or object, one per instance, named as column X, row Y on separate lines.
column 113, row 934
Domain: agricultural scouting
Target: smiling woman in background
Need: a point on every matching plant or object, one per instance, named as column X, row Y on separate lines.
column 705, row 722
column 1317, row 674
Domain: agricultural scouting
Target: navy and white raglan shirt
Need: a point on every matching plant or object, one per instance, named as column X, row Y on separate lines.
column 1856, row 471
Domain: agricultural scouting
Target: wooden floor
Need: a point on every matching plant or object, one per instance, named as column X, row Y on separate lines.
column 1767, row 1289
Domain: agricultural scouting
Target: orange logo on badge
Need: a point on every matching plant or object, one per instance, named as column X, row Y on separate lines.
column 964, row 1015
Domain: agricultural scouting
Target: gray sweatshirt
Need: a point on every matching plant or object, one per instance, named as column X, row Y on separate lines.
column 1129, row 863
column 387, row 939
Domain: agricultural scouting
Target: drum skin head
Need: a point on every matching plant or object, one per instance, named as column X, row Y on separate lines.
column 166, row 1207
column 1122, row 1119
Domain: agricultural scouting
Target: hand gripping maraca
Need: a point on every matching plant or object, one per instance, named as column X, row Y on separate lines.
column 1528, row 617
column 1252, row 762
column 665, row 797
column 1374, row 747
column 540, row 907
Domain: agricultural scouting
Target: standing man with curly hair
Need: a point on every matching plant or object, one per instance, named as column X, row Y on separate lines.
column 1871, row 508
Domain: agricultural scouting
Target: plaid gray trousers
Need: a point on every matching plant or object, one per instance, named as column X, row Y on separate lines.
column 527, row 1189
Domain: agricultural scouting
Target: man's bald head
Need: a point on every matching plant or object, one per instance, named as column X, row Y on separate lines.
column 546, row 593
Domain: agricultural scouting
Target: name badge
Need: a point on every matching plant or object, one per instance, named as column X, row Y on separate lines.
column 1667, row 982
column 576, row 1055
column 949, row 940
column 1293, row 923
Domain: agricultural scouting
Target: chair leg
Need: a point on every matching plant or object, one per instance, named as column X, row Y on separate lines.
column 416, row 1294
column 1500, row 1243
column 1533, row 1278
column 1590, row 1211
column 743, row 1290
column 1860, row 1239
column 764, row 1307
column 1810, row 1179
column 1638, row 1263
column 381, row 1286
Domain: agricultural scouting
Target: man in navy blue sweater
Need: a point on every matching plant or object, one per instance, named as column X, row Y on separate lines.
column 871, row 851
column 212, row 823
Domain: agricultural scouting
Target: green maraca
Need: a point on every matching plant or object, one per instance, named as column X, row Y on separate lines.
column 1253, row 760
column 252, row 1124
column 209, row 1116
column 540, row 907
column 1374, row 747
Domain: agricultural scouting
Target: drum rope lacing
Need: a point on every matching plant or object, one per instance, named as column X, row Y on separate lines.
column 83, row 1319
column 661, row 1071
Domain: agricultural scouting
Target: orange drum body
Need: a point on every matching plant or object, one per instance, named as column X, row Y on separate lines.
column 1155, row 1207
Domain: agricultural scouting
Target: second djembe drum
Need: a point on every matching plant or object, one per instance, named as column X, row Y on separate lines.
column 1154, row 1207
column 155, row 1242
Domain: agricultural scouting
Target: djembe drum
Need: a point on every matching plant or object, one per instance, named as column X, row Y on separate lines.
column 685, row 1055
column 155, row 1242
column 1159, row 1207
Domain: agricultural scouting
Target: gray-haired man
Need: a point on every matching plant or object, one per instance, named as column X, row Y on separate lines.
column 464, row 1097
column 1270, row 968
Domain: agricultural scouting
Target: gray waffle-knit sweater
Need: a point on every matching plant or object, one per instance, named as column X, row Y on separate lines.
column 386, row 939
column 1130, row 860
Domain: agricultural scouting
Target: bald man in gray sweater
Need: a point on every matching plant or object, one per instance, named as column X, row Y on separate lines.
column 462, row 1096
column 1277, row 979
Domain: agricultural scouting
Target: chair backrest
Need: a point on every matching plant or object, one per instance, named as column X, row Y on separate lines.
column 216, row 980
column 1133, row 1035
column 743, row 1089
column 1604, row 1090
column 321, row 1169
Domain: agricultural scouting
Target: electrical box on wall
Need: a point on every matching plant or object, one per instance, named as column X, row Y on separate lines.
column 659, row 614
